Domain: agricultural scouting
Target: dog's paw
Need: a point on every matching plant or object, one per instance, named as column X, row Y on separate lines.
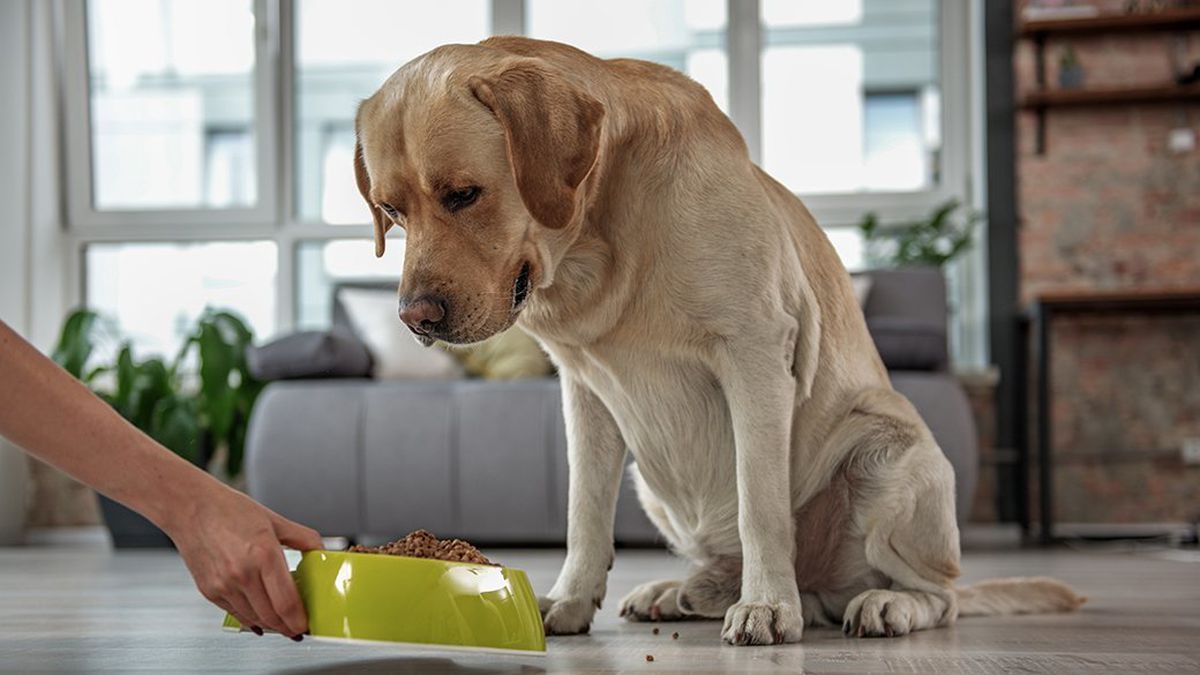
column 566, row 616
column 879, row 613
column 763, row 623
column 653, row 601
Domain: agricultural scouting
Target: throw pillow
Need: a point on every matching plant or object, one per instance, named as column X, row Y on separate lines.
column 309, row 354
column 510, row 355
column 396, row 352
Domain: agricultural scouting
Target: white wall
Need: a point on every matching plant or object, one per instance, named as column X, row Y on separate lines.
column 34, row 253
column 14, row 166
column 14, row 230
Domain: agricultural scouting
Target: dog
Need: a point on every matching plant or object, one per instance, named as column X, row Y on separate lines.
column 700, row 320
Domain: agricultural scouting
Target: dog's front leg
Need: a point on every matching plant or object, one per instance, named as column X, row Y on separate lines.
column 760, row 388
column 595, row 456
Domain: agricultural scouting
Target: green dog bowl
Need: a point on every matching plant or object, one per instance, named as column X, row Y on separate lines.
column 432, row 603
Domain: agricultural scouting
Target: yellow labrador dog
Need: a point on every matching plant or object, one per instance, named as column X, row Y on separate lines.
column 699, row 318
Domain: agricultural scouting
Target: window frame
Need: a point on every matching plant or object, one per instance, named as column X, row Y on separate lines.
column 81, row 209
column 746, row 42
column 276, row 217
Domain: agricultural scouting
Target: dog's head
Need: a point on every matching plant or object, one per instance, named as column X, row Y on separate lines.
column 479, row 156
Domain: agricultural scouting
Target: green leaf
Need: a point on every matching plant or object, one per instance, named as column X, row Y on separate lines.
column 175, row 423
column 123, row 395
column 76, row 342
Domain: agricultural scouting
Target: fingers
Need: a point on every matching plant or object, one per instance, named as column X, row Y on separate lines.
column 295, row 535
column 285, row 599
column 256, row 594
column 237, row 605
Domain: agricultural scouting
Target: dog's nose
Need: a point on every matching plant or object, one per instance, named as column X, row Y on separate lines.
column 423, row 314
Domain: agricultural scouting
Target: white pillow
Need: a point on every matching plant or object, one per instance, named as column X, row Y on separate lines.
column 862, row 287
column 397, row 353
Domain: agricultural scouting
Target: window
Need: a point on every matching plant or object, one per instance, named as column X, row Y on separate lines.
column 171, row 123
column 214, row 139
column 156, row 291
column 322, row 265
column 873, row 67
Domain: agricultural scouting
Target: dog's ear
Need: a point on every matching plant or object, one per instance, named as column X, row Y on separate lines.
column 553, row 134
column 381, row 221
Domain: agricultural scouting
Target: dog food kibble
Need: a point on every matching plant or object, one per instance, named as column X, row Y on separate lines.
column 423, row 544
column 655, row 631
column 674, row 636
column 649, row 657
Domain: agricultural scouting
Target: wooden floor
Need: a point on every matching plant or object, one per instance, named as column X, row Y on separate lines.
column 88, row 610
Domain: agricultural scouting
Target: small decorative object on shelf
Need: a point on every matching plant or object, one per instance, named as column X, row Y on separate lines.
column 1149, row 6
column 1036, row 10
column 1070, row 71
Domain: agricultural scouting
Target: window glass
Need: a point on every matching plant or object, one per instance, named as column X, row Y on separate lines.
column 850, row 95
column 172, row 117
column 156, row 291
column 344, row 51
column 321, row 265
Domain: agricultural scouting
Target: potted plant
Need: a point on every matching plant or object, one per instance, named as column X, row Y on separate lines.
column 1070, row 71
column 199, row 414
column 932, row 242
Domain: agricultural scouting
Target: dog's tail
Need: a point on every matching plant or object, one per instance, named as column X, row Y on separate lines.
column 1017, row 595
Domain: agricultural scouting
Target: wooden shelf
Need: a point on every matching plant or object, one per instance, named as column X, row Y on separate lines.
column 1074, row 98
column 1169, row 19
column 1128, row 300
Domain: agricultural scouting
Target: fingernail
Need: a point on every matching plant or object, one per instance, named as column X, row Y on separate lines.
column 297, row 638
column 257, row 631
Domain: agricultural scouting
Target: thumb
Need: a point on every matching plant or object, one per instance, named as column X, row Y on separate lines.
column 297, row 536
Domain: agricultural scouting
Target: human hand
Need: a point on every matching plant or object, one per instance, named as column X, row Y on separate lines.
column 231, row 545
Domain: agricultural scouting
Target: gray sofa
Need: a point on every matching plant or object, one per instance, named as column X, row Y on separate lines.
column 487, row 460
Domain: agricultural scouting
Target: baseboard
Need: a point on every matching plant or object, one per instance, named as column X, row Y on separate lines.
column 89, row 536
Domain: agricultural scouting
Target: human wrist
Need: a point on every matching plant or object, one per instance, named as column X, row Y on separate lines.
column 172, row 491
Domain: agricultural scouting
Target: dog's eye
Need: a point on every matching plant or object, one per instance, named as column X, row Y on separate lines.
column 460, row 199
column 390, row 211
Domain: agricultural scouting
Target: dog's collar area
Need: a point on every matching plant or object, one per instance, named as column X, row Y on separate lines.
column 520, row 289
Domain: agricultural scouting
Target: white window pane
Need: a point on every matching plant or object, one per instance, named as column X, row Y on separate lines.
column 344, row 51
column 688, row 35
column 850, row 95
column 172, row 117
column 813, row 117
column 849, row 246
column 321, row 265
column 156, row 291
column 811, row 12
column 894, row 158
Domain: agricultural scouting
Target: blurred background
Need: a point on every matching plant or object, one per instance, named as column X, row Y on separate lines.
column 162, row 159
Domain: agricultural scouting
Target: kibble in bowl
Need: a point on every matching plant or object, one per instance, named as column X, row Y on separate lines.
column 423, row 544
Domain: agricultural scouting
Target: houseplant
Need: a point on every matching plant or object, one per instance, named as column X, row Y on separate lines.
column 932, row 241
column 198, row 405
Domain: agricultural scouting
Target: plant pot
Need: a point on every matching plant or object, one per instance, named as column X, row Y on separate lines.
column 130, row 529
column 1071, row 77
column 14, row 469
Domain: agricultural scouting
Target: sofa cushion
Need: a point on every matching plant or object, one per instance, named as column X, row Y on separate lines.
column 909, row 344
column 309, row 354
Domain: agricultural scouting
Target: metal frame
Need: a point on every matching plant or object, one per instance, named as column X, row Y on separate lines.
column 275, row 217
column 1009, row 336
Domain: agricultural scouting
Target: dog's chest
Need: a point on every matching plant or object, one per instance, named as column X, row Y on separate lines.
column 672, row 415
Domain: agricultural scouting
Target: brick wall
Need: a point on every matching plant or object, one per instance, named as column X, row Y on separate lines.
column 1108, row 206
